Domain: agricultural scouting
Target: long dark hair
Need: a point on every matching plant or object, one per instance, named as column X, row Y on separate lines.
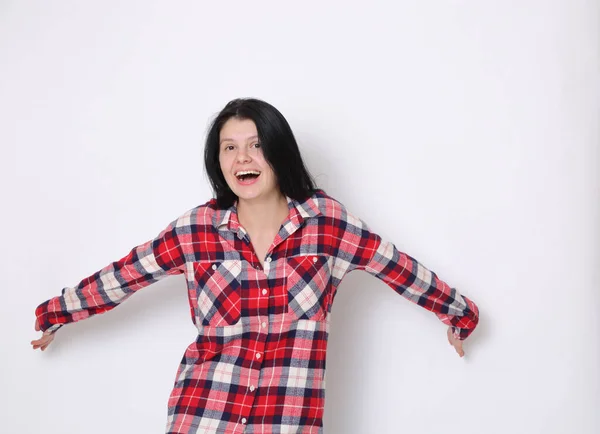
column 277, row 143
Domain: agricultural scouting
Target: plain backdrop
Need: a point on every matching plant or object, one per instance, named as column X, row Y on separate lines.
column 467, row 132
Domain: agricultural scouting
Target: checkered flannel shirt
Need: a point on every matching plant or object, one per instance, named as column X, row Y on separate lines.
column 258, row 362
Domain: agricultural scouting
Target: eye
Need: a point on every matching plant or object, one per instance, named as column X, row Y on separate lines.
column 257, row 145
column 228, row 148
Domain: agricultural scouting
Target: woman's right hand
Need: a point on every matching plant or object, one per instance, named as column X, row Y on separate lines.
column 44, row 341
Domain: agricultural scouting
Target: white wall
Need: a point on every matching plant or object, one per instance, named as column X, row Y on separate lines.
column 466, row 132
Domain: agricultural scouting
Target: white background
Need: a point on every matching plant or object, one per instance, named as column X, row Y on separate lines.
column 465, row 132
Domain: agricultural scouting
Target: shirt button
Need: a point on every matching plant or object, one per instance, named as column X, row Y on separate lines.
column 251, row 388
column 264, row 324
column 264, row 292
column 244, row 420
column 314, row 259
column 214, row 267
column 268, row 259
column 258, row 355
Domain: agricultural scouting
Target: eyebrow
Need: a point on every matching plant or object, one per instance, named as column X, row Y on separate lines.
column 227, row 139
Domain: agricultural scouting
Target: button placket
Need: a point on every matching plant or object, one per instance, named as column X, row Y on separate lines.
column 267, row 264
column 262, row 321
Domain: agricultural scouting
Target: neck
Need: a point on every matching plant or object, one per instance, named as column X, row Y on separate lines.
column 263, row 212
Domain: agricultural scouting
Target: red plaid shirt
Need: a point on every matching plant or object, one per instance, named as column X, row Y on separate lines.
column 258, row 363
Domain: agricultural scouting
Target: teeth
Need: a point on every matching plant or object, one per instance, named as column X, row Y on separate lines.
column 247, row 172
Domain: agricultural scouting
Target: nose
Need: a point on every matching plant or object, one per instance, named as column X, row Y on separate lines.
column 243, row 156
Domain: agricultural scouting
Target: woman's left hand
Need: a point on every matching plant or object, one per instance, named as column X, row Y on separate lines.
column 44, row 341
column 456, row 343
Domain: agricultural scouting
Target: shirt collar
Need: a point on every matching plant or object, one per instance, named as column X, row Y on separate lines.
column 227, row 219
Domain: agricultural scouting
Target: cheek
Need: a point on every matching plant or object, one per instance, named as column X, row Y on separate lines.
column 223, row 163
column 271, row 177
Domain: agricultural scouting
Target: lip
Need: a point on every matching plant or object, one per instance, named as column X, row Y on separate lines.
column 247, row 182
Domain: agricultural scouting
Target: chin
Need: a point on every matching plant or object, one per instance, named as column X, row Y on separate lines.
column 246, row 194
column 252, row 192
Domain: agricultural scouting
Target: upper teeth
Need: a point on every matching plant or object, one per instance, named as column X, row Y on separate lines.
column 247, row 172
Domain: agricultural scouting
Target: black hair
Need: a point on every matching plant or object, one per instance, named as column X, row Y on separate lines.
column 278, row 145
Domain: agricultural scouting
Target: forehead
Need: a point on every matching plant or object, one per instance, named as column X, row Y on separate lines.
column 238, row 130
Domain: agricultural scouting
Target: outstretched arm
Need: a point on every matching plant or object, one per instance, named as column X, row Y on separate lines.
column 113, row 284
column 362, row 249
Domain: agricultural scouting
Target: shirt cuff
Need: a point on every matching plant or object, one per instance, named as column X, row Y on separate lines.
column 41, row 313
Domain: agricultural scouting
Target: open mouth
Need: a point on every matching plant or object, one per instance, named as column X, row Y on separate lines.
column 247, row 176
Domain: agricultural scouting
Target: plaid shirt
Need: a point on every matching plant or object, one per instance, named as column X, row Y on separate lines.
column 258, row 363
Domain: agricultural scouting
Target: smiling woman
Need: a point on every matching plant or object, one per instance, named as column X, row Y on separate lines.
column 262, row 261
column 258, row 135
column 242, row 161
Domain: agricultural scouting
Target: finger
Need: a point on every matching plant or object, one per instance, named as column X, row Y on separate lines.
column 45, row 337
column 459, row 348
column 41, row 343
column 37, row 325
column 42, row 340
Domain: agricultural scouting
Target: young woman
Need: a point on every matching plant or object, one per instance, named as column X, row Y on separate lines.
column 262, row 261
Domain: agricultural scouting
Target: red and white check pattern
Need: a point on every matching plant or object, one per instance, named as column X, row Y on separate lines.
column 258, row 363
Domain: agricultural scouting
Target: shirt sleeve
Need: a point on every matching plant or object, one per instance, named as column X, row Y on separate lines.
column 113, row 284
column 362, row 249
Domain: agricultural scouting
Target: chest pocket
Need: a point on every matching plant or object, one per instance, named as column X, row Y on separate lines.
column 308, row 280
column 218, row 288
